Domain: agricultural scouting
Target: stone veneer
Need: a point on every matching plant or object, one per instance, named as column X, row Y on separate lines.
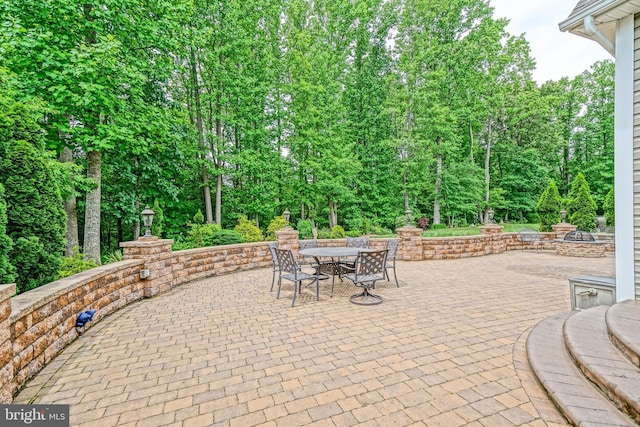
column 36, row 325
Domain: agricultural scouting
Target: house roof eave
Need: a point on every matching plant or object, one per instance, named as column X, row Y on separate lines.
column 575, row 21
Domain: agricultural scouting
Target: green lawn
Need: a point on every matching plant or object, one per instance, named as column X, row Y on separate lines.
column 473, row 231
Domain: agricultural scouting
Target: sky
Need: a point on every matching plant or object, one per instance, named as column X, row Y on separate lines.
column 557, row 54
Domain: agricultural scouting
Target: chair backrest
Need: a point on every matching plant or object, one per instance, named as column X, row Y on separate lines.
column 307, row 244
column 358, row 242
column 286, row 261
column 273, row 246
column 371, row 265
column 392, row 247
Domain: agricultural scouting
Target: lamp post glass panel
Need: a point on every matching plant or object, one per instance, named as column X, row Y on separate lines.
column 147, row 219
column 408, row 214
column 563, row 215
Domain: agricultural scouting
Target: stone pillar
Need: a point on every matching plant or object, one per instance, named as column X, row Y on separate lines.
column 498, row 244
column 562, row 229
column 287, row 238
column 6, row 347
column 410, row 248
column 158, row 260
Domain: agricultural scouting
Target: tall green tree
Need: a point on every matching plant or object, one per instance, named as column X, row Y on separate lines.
column 95, row 64
column 549, row 206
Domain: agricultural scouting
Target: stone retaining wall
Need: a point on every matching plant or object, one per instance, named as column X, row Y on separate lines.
column 36, row 325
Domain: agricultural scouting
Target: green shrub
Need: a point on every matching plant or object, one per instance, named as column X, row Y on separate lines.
column 324, row 233
column 201, row 235
column 226, row 237
column 158, row 219
column 113, row 256
column 248, row 230
column 353, row 233
column 277, row 223
column 305, row 229
column 198, row 218
column 34, row 265
column 7, row 270
column 75, row 264
column 400, row 221
column 438, row 226
column 337, row 232
column 609, row 207
column 549, row 206
column 584, row 209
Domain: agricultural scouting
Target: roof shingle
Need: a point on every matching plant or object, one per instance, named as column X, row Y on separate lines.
column 582, row 4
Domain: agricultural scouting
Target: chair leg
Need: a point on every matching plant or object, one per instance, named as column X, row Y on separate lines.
column 279, row 286
column 295, row 291
column 273, row 280
column 395, row 276
column 366, row 297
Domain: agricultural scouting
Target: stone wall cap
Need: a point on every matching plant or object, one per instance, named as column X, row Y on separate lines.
column 146, row 243
column 7, row 291
column 44, row 294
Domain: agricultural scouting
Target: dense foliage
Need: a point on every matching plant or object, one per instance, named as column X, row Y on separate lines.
column 349, row 112
column 609, row 207
column 7, row 270
column 549, row 207
column 584, row 209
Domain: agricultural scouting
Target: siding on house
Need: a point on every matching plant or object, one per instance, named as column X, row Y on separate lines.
column 636, row 153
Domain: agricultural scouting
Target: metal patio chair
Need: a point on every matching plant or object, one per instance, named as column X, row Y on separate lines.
column 392, row 248
column 354, row 242
column 369, row 268
column 290, row 270
column 274, row 262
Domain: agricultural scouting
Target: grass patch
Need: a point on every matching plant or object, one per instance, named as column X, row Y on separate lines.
column 473, row 231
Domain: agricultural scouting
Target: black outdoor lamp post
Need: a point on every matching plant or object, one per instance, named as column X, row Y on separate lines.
column 408, row 214
column 563, row 215
column 147, row 219
column 286, row 215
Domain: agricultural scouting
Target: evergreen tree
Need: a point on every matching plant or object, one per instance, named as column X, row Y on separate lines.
column 7, row 270
column 36, row 221
column 549, row 206
column 584, row 209
column 610, row 208
column 576, row 184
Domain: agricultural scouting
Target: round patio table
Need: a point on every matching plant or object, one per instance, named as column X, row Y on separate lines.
column 332, row 267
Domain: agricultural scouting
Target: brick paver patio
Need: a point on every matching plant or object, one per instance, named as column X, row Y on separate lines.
column 444, row 349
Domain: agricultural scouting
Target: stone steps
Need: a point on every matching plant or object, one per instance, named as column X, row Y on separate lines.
column 623, row 323
column 575, row 357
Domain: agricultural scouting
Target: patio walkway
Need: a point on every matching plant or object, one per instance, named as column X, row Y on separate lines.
column 444, row 349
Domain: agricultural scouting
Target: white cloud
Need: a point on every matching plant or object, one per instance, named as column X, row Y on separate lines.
column 557, row 54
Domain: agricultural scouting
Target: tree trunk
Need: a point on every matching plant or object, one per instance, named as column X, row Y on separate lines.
column 487, row 174
column 72, row 240
column 438, row 186
column 206, row 190
column 92, row 211
column 471, row 137
column 136, row 224
column 219, row 199
column 333, row 214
